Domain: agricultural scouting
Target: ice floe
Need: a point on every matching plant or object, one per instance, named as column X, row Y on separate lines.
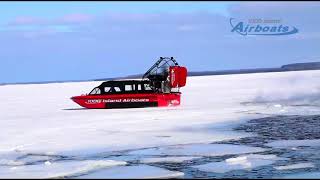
column 176, row 159
column 198, row 150
column 134, row 172
column 293, row 143
column 295, row 166
column 56, row 169
column 10, row 158
column 244, row 162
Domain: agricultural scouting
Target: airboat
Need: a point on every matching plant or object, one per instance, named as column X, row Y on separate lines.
column 159, row 86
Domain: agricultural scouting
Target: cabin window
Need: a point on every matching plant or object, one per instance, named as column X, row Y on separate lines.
column 147, row 87
column 96, row 91
column 117, row 89
column 128, row 87
column 174, row 89
column 112, row 89
column 107, row 89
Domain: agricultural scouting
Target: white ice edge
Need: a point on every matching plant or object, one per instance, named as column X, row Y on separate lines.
column 243, row 162
column 174, row 159
column 199, row 150
column 295, row 166
column 56, row 169
column 134, row 172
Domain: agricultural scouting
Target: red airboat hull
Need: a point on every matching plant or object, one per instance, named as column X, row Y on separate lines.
column 128, row 100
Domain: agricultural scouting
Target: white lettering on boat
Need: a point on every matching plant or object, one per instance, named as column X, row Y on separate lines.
column 97, row 101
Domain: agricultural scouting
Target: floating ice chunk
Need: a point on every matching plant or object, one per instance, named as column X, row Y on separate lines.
column 309, row 175
column 239, row 163
column 125, row 158
column 295, row 166
column 10, row 158
column 268, row 156
column 241, row 160
column 6, row 162
column 293, row 143
column 36, row 158
column 176, row 159
column 133, row 172
column 57, row 169
column 199, row 150
column 48, row 163
column 277, row 105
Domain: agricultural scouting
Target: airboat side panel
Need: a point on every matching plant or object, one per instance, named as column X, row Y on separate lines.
column 127, row 100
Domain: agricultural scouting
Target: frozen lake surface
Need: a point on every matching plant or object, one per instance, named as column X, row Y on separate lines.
column 250, row 125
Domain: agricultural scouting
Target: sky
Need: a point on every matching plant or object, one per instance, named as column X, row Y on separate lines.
column 56, row 41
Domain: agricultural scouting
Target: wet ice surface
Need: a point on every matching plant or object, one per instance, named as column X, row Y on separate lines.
column 288, row 147
column 246, row 162
column 173, row 159
column 134, row 172
column 295, row 137
column 295, row 166
column 294, row 143
column 56, row 169
column 308, row 175
column 198, row 150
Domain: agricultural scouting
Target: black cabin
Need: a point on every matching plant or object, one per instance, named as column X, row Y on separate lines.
column 123, row 87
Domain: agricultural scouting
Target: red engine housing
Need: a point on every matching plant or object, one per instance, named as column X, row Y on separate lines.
column 178, row 76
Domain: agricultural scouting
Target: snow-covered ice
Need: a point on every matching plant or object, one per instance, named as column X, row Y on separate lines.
column 199, row 150
column 57, row 169
column 42, row 119
column 243, row 162
column 294, row 143
column 295, row 166
column 134, row 172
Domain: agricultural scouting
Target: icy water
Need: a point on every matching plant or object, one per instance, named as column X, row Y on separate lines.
column 250, row 157
column 282, row 146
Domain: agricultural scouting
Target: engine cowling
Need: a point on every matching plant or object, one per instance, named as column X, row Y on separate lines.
column 177, row 76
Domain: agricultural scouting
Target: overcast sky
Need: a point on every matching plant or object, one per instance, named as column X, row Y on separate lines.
column 47, row 41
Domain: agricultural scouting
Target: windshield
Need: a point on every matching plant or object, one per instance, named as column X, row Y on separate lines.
column 95, row 91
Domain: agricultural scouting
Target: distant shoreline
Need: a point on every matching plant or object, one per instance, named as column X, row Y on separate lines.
column 284, row 68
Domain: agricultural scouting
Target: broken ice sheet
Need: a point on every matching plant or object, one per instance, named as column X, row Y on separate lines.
column 175, row 159
column 294, row 143
column 295, row 166
column 244, row 162
column 133, row 172
column 198, row 150
column 56, row 169
column 10, row 158
column 307, row 175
